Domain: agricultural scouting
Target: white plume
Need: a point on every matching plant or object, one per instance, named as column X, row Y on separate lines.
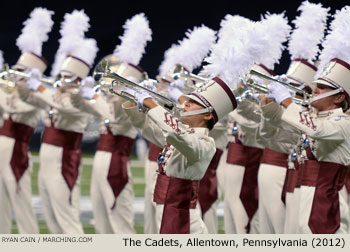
column 191, row 51
column 277, row 31
column 86, row 51
column 309, row 30
column 1, row 59
column 72, row 41
column 133, row 42
column 75, row 24
column 169, row 59
column 230, row 21
column 240, row 45
column 337, row 42
column 35, row 30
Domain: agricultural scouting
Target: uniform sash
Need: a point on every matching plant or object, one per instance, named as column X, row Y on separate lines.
column 208, row 186
column 120, row 147
column 22, row 134
column 70, row 142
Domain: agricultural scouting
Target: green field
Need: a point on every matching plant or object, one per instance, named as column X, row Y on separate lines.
column 139, row 188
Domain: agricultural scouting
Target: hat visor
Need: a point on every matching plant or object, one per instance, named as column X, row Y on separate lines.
column 195, row 98
column 323, row 82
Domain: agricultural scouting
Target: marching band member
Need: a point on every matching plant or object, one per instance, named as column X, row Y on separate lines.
column 246, row 148
column 112, row 191
column 275, row 215
column 60, row 151
column 188, row 55
column 187, row 154
column 321, row 136
column 188, row 149
column 18, row 128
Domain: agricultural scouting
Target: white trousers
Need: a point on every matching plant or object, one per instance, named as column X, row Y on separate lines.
column 61, row 216
column 235, row 215
column 197, row 225
column 305, row 206
column 292, row 212
column 210, row 218
column 120, row 219
column 13, row 197
column 271, row 208
column 150, row 222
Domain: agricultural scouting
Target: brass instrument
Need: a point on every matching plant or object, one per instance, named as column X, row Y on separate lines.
column 8, row 75
column 249, row 87
column 179, row 72
column 306, row 96
column 118, row 82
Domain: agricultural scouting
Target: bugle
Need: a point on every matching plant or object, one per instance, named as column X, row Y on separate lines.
column 116, row 86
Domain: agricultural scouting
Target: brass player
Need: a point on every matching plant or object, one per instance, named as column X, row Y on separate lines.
column 60, row 152
column 321, row 136
column 112, row 191
column 17, row 130
column 275, row 214
column 188, row 149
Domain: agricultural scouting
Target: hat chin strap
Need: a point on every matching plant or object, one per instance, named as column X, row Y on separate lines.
column 324, row 95
column 196, row 112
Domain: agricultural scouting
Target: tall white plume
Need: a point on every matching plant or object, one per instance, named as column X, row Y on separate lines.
column 73, row 42
column 241, row 44
column 277, row 31
column 191, row 51
column 309, row 31
column 35, row 30
column 133, row 42
column 337, row 42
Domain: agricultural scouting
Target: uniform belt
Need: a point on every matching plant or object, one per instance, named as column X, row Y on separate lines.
column 153, row 152
column 162, row 186
column 62, row 138
column 122, row 145
column 272, row 157
column 17, row 131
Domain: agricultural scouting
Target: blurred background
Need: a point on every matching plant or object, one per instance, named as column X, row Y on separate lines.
column 169, row 20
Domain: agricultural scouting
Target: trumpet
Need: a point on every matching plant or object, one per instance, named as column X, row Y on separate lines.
column 306, row 95
column 249, row 86
column 180, row 72
column 7, row 74
column 116, row 87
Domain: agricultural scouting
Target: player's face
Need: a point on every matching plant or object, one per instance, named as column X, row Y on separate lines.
column 197, row 120
column 325, row 103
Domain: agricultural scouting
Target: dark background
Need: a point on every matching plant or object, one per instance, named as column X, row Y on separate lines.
column 168, row 20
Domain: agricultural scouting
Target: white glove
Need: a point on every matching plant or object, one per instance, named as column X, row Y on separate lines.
column 149, row 84
column 278, row 92
column 86, row 90
column 175, row 93
column 129, row 91
column 141, row 96
column 178, row 83
column 33, row 81
column 88, row 82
